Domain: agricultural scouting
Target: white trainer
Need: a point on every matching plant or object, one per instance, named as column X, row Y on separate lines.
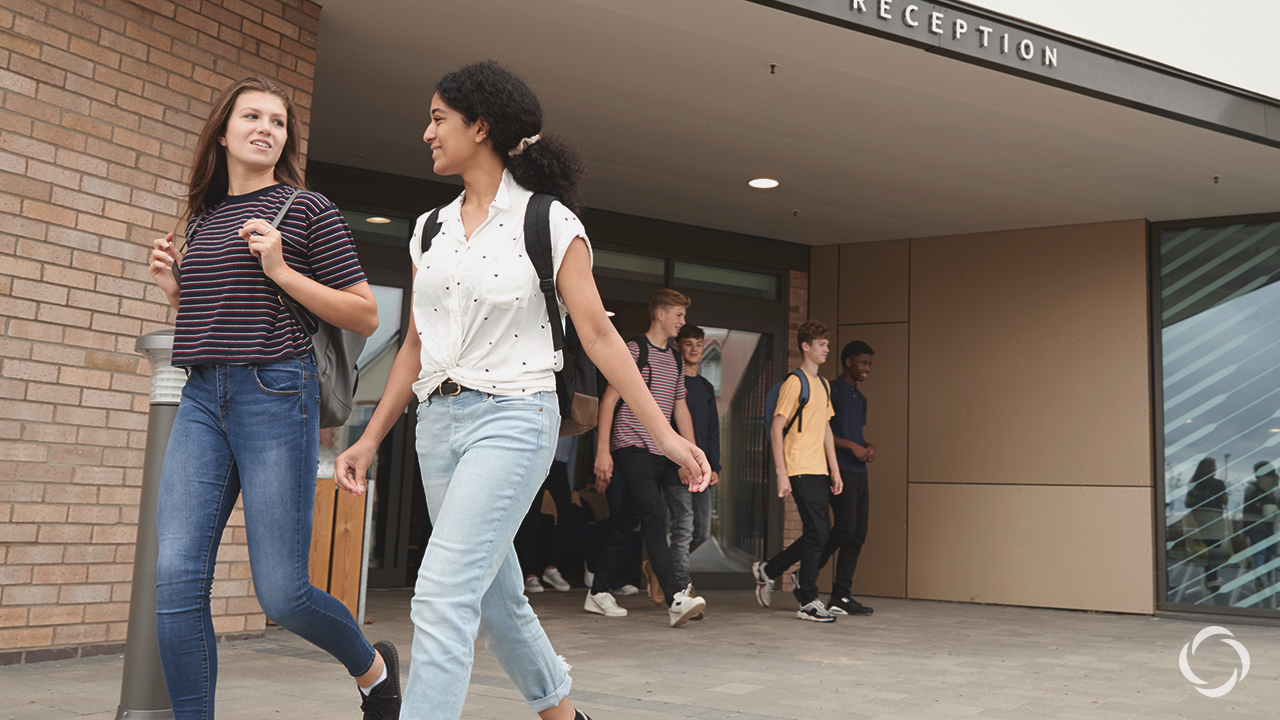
column 628, row 589
column 531, row 585
column 684, row 607
column 553, row 578
column 603, row 604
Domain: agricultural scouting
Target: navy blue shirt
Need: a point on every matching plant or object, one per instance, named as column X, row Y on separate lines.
column 848, row 422
column 700, row 396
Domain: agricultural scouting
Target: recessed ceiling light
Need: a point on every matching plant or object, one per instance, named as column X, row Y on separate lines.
column 377, row 220
column 763, row 183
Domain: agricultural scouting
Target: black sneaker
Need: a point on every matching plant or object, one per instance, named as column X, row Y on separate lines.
column 383, row 701
column 579, row 715
column 848, row 606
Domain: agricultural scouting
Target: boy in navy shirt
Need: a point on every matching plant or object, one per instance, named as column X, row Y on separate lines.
column 853, row 452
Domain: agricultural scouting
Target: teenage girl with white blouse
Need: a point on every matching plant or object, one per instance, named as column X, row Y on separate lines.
column 479, row 358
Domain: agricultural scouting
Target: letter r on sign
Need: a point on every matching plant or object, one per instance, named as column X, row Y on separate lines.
column 859, row 5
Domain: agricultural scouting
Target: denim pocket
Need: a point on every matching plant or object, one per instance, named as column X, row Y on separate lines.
column 515, row 402
column 280, row 378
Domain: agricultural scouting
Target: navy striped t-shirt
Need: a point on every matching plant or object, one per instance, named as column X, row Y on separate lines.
column 666, row 383
column 228, row 310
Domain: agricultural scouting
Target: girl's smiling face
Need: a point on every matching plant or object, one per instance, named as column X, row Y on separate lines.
column 256, row 131
column 454, row 142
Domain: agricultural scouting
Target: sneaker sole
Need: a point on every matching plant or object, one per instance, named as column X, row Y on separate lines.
column 814, row 618
column 761, row 596
column 693, row 609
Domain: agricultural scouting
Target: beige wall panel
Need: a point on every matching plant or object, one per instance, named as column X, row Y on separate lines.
column 1030, row 357
column 1066, row 547
column 882, row 567
column 874, row 281
column 824, row 282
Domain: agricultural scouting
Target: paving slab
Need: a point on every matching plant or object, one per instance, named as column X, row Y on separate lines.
column 911, row 659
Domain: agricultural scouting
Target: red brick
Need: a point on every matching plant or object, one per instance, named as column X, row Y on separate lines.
column 25, row 370
column 77, row 200
column 48, row 213
column 34, row 555
column 138, row 142
column 74, row 25
column 100, row 17
column 40, row 71
column 94, row 475
column 109, row 151
column 107, row 399
column 138, row 384
column 97, row 264
column 281, row 25
column 20, row 268
column 60, row 394
column 81, row 416
column 81, row 162
column 41, row 292
column 27, row 188
column 93, row 89
column 14, row 533
column 19, row 44
column 107, row 612
column 106, row 189
column 79, row 634
column 28, row 147
column 64, row 99
column 119, row 495
column 102, row 226
column 90, row 553
column 120, row 286
column 72, row 239
column 88, row 338
column 114, row 534
column 96, row 515
column 115, row 115
column 15, row 410
column 58, row 354
column 56, row 614
column 26, row 637
column 131, row 177
column 126, row 46
column 14, row 82
column 14, row 575
column 44, row 434
column 65, row 533
column 63, row 315
column 54, row 174
column 12, row 389
column 71, row 494
column 60, row 574
column 68, row 61
column 13, row 307
column 94, row 52
column 40, row 32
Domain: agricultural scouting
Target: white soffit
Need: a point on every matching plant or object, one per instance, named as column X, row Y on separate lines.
column 673, row 105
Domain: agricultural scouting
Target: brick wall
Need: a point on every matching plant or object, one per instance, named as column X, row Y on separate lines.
column 797, row 314
column 100, row 104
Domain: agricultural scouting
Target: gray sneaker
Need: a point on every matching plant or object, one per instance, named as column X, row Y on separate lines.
column 764, row 584
column 815, row 612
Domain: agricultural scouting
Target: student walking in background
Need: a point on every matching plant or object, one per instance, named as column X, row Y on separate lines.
column 690, row 512
column 479, row 358
column 625, row 440
column 248, row 421
column 850, row 507
column 804, row 459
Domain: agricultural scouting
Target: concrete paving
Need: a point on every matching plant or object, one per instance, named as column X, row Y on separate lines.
column 911, row 659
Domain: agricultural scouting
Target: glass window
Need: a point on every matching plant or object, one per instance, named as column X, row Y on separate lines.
column 697, row 276
column 629, row 266
column 1219, row 310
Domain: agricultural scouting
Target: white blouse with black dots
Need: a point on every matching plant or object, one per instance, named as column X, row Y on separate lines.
column 476, row 303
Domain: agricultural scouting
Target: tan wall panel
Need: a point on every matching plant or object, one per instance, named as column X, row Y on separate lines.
column 874, row 281
column 1066, row 547
column 1030, row 357
column 882, row 567
column 824, row 283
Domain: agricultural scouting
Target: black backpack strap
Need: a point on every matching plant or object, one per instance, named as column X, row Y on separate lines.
column 804, row 400
column 537, row 243
column 431, row 228
column 642, row 362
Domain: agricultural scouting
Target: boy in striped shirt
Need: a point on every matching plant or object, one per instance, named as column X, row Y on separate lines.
column 641, row 464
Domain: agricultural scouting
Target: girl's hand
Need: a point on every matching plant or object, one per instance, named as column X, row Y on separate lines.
column 350, row 468
column 163, row 256
column 695, row 471
column 265, row 244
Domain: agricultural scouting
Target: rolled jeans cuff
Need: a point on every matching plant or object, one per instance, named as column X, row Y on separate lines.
column 555, row 698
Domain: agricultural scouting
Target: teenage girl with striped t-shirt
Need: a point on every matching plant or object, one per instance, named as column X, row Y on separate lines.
column 248, row 422
column 479, row 358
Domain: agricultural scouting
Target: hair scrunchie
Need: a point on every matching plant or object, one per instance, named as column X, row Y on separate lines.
column 524, row 144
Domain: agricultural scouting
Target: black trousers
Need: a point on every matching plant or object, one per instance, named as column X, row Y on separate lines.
column 557, row 483
column 643, row 501
column 848, row 532
column 811, row 493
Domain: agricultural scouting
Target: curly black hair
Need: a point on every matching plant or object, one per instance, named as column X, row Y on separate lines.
column 487, row 90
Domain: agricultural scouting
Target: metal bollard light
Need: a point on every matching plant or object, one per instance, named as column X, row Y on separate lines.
column 143, row 695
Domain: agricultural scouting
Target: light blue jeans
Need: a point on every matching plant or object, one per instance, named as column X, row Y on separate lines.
column 483, row 458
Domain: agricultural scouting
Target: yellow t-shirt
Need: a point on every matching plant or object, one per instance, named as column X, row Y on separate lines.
column 803, row 450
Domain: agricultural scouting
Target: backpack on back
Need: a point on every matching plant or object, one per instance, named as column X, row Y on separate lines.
column 771, row 402
column 576, row 380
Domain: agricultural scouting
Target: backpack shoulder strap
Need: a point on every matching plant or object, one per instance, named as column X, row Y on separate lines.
column 642, row 362
column 431, row 228
column 285, row 300
column 803, row 400
column 537, row 244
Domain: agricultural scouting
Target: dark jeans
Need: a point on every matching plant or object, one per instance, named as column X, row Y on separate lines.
column 642, row 473
column 557, row 483
column 810, row 493
column 848, row 532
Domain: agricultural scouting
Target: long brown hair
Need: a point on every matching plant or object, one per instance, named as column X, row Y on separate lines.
column 209, row 169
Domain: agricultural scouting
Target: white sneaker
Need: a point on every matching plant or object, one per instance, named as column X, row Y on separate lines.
column 603, row 604
column 553, row 578
column 764, row 584
column 684, row 607
column 531, row 585
column 588, row 577
column 628, row 589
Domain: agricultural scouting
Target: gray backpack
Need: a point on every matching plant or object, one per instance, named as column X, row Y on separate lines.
column 336, row 349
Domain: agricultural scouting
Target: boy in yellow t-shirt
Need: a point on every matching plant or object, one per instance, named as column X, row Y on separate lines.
column 805, row 460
